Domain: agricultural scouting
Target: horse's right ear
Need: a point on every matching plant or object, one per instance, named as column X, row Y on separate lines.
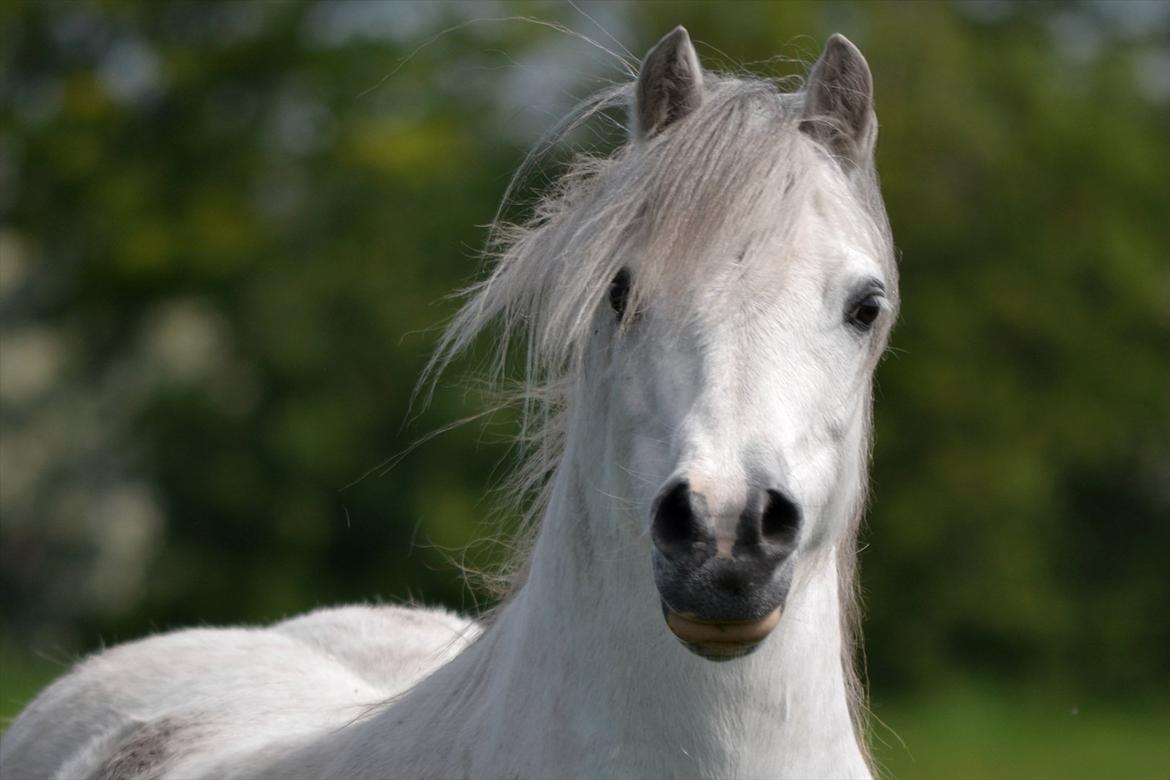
column 838, row 107
column 670, row 85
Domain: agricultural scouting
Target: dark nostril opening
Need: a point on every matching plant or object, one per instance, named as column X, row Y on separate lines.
column 675, row 528
column 780, row 522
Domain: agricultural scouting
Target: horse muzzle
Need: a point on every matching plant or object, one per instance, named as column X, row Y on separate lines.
column 722, row 597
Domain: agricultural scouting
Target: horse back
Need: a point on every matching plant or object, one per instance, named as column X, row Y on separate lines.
column 192, row 702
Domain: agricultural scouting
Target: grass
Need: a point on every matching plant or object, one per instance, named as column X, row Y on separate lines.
column 961, row 730
column 969, row 730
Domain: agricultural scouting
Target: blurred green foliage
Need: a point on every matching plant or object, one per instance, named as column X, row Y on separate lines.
column 967, row 730
column 227, row 227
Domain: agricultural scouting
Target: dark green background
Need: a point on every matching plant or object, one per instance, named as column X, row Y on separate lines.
column 228, row 231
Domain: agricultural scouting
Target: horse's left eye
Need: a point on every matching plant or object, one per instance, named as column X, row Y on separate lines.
column 864, row 311
column 619, row 292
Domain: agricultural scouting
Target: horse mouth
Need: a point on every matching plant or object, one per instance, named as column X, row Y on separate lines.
column 720, row 640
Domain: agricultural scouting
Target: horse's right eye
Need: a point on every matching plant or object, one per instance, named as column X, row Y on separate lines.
column 863, row 312
column 619, row 292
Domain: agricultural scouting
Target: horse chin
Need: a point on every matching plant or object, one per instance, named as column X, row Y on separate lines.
column 720, row 640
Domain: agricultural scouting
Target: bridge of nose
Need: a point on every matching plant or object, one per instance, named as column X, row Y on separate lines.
column 720, row 505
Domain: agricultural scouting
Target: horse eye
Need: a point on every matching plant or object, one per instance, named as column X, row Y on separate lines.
column 619, row 292
column 864, row 311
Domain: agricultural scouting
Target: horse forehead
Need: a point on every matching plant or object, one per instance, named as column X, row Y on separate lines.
column 820, row 250
column 768, row 283
column 776, row 283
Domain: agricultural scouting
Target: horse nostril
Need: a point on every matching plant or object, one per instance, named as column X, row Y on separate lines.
column 780, row 522
column 675, row 528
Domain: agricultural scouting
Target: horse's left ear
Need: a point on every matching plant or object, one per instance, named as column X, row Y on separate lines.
column 838, row 104
column 670, row 85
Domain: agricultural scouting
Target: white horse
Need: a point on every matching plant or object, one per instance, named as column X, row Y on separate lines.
column 702, row 313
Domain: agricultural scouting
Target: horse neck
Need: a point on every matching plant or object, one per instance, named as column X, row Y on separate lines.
column 578, row 676
column 585, row 645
